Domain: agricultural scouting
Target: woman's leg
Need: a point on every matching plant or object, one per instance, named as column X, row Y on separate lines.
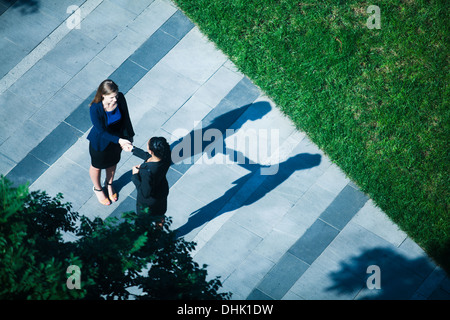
column 110, row 172
column 95, row 174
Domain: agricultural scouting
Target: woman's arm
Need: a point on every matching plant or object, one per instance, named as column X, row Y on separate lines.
column 127, row 120
column 142, row 179
column 99, row 124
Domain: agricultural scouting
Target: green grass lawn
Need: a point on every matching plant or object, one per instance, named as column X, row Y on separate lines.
column 375, row 100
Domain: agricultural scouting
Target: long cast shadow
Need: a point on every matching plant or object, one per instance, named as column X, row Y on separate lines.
column 189, row 148
column 186, row 150
column 213, row 209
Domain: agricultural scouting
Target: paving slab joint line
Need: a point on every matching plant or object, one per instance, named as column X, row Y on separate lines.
column 44, row 47
column 192, row 95
column 75, row 128
column 304, row 255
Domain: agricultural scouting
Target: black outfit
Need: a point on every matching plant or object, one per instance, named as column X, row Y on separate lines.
column 104, row 136
column 106, row 158
column 152, row 188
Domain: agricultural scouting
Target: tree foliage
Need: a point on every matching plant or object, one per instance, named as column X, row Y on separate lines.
column 113, row 255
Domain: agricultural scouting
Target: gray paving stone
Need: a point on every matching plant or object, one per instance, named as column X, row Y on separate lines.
column 245, row 278
column 180, row 213
column 146, row 124
column 311, row 205
column 186, row 118
column 261, row 212
column 220, row 118
column 218, row 86
column 79, row 152
column 127, row 75
column 333, row 178
column 275, row 244
column 293, row 176
column 66, row 176
column 80, row 118
column 244, row 93
column 413, row 252
column 69, row 60
column 58, row 8
column 433, row 281
column 178, row 25
column 353, row 251
column 198, row 184
column 60, row 106
column 33, row 26
column 6, row 164
column 24, row 139
column 153, row 50
column 318, row 283
column 164, row 89
column 37, row 88
column 282, row 276
column 226, row 250
column 258, row 295
column 314, row 241
column 373, row 219
column 88, row 79
column 11, row 55
column 13, row 113
column 56, row 143
column 195, row 57
column 134, row 6
column 173, row 176
column 344, row 207
column 27, row 170
column 121, row 47
column 97, row 21
column 153, row 17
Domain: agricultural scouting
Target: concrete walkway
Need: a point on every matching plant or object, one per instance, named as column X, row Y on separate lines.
column 270, row 213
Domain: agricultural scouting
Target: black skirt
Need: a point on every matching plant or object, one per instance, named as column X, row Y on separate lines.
column 106, row 158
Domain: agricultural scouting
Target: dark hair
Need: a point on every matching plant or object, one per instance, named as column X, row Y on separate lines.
column 106, row 87
column 160, row 147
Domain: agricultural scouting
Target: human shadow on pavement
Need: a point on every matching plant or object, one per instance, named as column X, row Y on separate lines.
column 382, row 274
column 188, row 149
column 216, row 208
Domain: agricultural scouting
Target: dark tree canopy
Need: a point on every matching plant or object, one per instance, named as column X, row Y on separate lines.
column 112, row 255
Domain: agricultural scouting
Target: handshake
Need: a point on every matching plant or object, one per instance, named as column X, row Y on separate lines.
column 126, row 145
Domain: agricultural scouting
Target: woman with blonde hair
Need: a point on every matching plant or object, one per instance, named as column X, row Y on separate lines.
column 111, row 133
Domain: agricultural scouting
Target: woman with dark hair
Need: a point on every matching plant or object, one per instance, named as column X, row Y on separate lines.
column 150, row 180
column 111, row 133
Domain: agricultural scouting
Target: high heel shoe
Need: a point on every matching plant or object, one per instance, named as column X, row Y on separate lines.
column 105, row 201
column 113, row 197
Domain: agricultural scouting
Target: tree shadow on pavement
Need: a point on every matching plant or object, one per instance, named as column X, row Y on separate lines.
column 25, row 6
column 398, row 276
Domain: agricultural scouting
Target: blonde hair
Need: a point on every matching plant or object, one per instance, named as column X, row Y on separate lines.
column 106, row 87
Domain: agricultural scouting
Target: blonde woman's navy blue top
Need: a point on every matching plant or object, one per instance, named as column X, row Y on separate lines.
column 106, row 131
